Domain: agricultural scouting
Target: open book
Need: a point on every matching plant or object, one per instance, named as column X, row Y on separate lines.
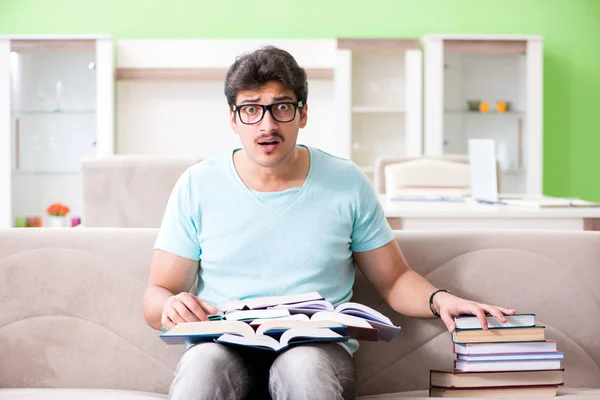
column 363, row 322
column 265, row 302
column 325, row 310
column 206, row 331
column 355, row 327
column 290, row 337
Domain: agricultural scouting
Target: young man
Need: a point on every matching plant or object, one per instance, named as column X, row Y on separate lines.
column 275, row 218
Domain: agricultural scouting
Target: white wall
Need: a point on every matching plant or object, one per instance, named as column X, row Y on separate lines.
column 192, row 118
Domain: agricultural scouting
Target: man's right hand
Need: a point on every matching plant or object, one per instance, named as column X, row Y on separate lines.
column 185, row 307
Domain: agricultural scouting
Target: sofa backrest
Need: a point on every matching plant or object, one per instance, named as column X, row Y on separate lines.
column 70, row 306
column 71, row 310
column 129, row 191
column 553, row 274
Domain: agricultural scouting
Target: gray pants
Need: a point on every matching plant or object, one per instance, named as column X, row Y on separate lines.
column 216, row 372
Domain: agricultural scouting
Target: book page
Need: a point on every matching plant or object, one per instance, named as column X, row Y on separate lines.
column 264, row 302
column 291, row 324
column 308, row 333
column 344, row 319
column 256, row 314
column 257, row 341
column 230, row 306
column 362, row 311
column 210, row 328
column 295, row 317
column 317, row 305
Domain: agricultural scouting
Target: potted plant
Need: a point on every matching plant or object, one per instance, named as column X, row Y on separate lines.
column 57, row 215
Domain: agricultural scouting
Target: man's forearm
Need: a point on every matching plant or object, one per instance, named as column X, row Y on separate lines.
column 410, row 295
column 155, row 298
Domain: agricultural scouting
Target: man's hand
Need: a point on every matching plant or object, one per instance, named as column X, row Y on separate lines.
column 450, row 306
column 185, row 307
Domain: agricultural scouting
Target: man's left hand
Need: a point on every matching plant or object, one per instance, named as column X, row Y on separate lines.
column 450, row 306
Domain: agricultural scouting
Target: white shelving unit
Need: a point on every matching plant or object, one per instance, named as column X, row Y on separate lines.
column 56, row 106
column 171, row 101
column 488, row 69
column 378, row 95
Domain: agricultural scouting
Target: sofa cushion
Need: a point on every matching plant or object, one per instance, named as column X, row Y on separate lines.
column 75, row 394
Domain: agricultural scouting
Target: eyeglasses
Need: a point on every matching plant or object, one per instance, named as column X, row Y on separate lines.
column 251, row 114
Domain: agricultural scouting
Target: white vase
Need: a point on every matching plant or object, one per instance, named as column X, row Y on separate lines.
column 56, row 221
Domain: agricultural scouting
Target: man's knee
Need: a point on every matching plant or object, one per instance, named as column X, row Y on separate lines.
column 303, row 372
column 209, row 371
column 211, row 357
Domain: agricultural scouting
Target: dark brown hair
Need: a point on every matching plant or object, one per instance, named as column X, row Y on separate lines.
column 250, row 71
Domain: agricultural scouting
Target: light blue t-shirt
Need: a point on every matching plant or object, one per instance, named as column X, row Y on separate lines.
column 254, row 244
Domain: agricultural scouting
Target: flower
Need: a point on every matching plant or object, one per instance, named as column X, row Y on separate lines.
column 57, row 209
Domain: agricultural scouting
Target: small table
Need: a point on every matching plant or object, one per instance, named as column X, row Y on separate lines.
column 430, row 215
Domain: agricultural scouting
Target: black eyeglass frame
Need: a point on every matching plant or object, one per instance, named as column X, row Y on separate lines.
column 265, row 108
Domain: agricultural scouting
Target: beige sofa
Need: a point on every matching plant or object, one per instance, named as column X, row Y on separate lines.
column 129, row 191
column 71, row 325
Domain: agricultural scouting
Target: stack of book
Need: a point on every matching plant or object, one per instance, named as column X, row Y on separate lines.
column 508, row 359
column 277, row 322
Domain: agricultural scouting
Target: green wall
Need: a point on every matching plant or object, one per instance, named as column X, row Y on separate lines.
column 571, row 30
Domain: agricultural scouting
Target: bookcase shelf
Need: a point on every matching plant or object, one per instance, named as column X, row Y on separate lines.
column 380, row 91
column 460, row 69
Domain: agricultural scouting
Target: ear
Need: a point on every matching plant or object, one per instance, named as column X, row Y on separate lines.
column 233, row 122
column 304, row 116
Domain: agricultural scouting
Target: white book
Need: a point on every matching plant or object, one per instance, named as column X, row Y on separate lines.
column 208, row 331
column 294, row 317
column 307, row 307
column 467, row 366
column 264, row 302
column 362, row 311
column 371, row 324
column 281, row 324
column 512, row 321
column 512, row 356
column 505, row 347
column 290, row 337
column 347, row 320
column 249, row 315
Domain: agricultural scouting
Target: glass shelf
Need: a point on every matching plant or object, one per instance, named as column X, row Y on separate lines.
column 52, row 112
column 514, row 171
column 491, row 112
column 42, row 172
column 377, row 110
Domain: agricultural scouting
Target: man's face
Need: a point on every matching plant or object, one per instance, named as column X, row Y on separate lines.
column 268, row 142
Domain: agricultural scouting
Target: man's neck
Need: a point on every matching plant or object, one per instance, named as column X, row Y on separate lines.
column 292, row 173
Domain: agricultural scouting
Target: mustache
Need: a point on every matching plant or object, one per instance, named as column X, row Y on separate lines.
column 274, row 134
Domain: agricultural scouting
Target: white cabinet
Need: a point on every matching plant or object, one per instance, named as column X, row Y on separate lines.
column 56, row 106
column 487, row 87
column 171, row 102
column 378, row 91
